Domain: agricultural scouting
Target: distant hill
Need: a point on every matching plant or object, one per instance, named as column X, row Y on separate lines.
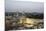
column 29, row 15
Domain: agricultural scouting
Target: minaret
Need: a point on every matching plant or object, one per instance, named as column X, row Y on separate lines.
column 17, row 14
column 8, row 14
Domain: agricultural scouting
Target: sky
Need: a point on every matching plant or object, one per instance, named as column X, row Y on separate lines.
column 23, row 5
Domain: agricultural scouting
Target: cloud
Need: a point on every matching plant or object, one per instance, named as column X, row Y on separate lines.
column 29, row 0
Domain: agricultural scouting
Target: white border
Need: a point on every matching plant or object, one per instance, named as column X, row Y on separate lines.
column 2, row 17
